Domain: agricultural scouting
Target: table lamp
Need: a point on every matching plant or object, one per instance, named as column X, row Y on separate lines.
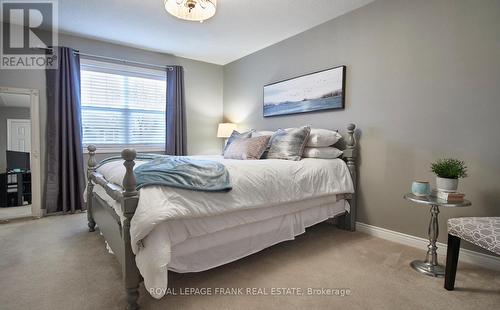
column 225, row 130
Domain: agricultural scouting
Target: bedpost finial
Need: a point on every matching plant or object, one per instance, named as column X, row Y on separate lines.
column 92, row 161
column 129, row 183
column 351, row 139
column 129, row 154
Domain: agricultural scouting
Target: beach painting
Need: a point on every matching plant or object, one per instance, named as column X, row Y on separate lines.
column 324, row 90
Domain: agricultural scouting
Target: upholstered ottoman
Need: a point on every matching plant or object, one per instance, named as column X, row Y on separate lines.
column 481, row 231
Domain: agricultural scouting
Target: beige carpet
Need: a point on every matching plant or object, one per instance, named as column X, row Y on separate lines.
column 54, row 263
column 14, row 212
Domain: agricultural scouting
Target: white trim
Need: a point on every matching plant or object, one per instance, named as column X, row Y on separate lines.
column 466, row 256
column 35, row 162
column 101, row 149
column 112, row 67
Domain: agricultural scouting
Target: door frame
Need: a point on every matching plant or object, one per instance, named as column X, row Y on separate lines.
column 9, row 124
column 35, row 160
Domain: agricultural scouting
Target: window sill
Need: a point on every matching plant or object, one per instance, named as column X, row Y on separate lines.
column 117, row 150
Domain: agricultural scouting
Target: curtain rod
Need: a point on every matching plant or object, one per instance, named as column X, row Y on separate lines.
column 115, row 59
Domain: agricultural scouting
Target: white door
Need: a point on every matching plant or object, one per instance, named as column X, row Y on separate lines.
column 19, row 135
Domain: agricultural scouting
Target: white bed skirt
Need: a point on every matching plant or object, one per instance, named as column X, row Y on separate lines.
column 222, row 247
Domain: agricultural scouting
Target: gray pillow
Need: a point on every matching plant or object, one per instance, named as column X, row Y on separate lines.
column 236, row 135
column 246, row 149
column 288, row 144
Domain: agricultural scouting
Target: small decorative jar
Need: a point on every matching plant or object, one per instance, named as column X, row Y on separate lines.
column 419, row 188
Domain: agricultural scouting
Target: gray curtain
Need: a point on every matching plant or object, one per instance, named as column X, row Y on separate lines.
column 175, row 143
column 65, row 181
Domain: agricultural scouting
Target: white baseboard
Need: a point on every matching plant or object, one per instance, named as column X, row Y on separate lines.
column 466, row 256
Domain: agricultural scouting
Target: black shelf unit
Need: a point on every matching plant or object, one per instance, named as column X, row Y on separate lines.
column 15, row 189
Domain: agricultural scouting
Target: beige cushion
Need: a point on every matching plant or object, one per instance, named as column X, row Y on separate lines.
column 250, row 148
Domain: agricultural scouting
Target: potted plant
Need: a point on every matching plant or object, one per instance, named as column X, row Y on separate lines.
column 448, row 171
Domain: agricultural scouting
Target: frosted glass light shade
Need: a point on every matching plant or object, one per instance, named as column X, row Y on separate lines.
column 225, row 130
column 193, row 10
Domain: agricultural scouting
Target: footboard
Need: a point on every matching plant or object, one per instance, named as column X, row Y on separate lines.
column 116, row 232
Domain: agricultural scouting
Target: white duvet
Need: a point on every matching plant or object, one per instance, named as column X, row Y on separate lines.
column 256, row 184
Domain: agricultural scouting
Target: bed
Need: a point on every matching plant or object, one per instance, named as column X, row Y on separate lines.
column 157, row 229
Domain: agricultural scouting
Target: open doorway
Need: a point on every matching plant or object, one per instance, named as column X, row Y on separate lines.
column 19, row 154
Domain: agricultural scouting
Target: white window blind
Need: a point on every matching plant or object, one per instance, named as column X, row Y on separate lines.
column 122, row 106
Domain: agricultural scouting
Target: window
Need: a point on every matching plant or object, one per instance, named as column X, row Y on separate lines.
column 122, row 106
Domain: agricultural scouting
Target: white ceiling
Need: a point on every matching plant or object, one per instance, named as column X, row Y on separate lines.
column 239, row 28
column 14, row 100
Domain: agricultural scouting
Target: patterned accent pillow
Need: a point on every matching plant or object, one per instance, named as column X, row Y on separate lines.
column 236, row 135
column 289, row 144
column 264, row 133
column 245, row 149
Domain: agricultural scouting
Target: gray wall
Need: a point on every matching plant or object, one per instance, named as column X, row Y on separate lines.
column 423, row 82
column 203, row 89
column 6, row 113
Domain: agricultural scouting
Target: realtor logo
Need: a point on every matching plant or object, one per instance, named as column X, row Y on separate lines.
column 29, row 29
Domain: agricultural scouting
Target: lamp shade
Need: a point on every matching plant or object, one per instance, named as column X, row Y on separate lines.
column 225, row 130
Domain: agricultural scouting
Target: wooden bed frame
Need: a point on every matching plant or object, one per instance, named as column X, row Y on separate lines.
column 117, row 234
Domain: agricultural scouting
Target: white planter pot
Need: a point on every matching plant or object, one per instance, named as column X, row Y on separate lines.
column 446, row 185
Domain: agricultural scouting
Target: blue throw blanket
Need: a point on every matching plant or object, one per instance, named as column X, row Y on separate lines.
column 180, row 172
column 184, row 172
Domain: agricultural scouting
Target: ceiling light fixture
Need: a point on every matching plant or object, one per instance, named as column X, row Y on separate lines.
column 193, row 10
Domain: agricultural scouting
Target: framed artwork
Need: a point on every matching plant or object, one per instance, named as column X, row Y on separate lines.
column 318, row 91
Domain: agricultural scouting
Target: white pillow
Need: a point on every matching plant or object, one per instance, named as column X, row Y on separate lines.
column 262, row 133
column 321, row 152
column 322, row 137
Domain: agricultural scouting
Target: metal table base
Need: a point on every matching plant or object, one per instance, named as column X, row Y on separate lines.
column 430, row 265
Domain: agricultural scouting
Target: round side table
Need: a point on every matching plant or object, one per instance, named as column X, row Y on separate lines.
column 430, row 265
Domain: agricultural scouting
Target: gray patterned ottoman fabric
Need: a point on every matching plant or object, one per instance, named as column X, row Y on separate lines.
column 481, row 231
